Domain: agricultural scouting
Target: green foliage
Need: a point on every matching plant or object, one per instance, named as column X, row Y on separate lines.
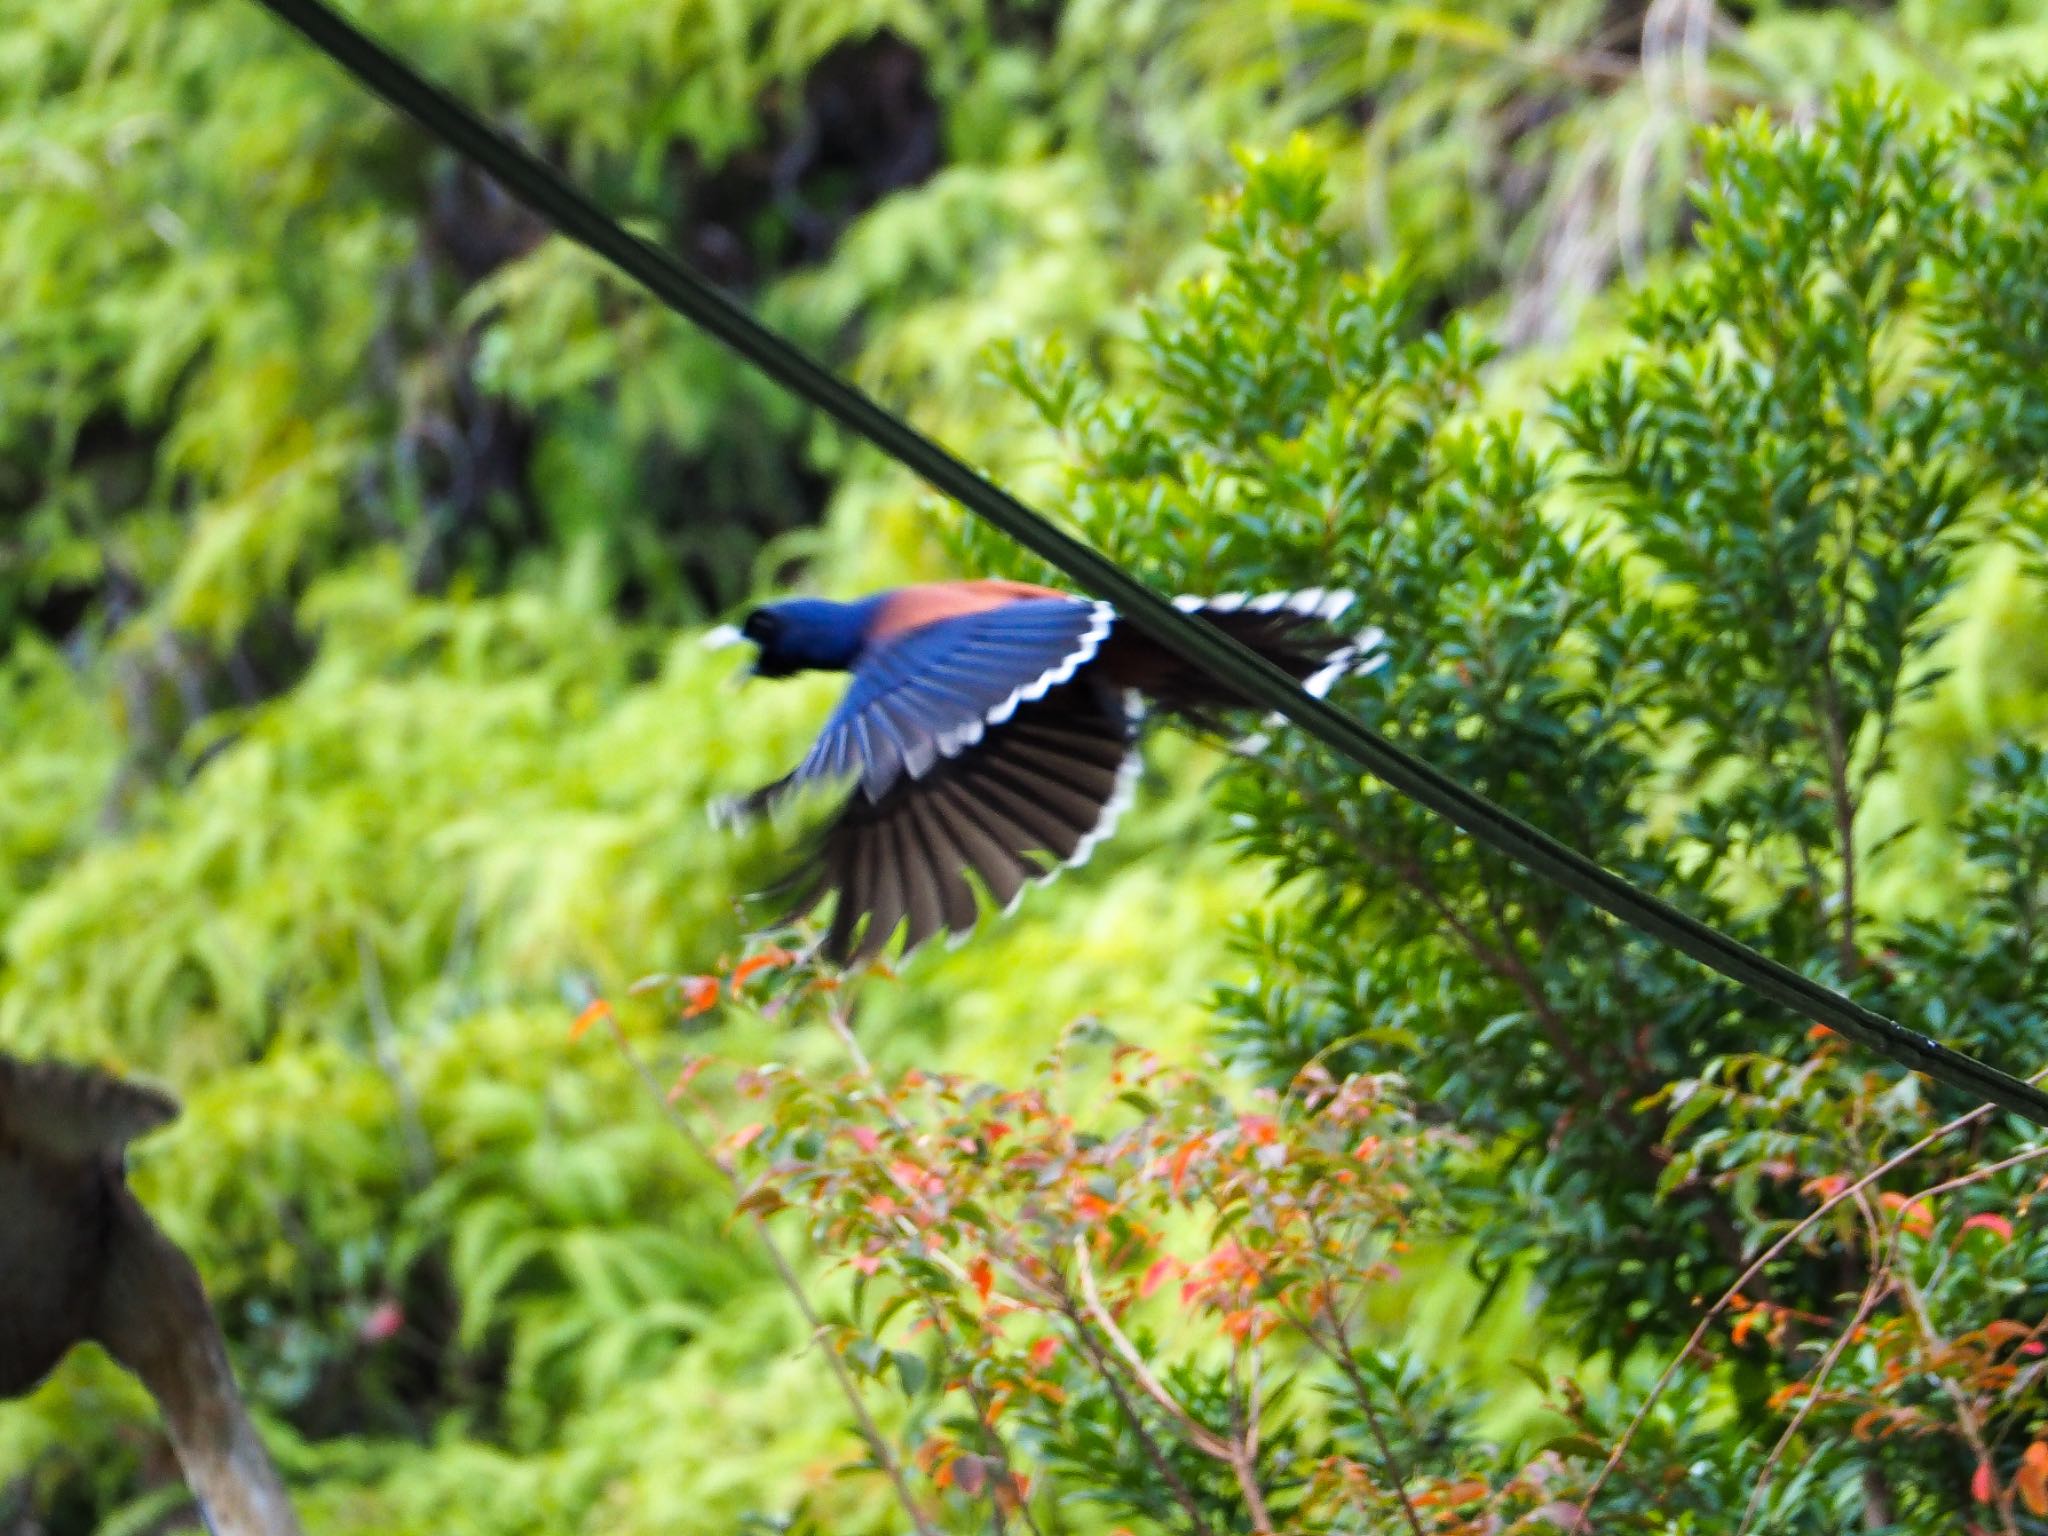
column 342, row 518
column 1699, row 674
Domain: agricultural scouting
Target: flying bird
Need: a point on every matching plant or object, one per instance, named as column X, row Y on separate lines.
column 990, row 730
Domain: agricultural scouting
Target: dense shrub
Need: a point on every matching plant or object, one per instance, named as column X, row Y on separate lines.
column 349, row 748
column 1689, row 639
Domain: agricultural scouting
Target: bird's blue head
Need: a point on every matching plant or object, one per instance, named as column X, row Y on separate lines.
column 801, row 634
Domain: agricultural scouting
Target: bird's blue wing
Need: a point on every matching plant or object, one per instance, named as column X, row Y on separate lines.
column 929, row 693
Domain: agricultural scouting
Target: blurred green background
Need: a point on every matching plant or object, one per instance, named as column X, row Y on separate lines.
column 354, row 540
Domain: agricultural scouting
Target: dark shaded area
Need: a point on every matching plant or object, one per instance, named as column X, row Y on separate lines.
column 864, row 125
column 81, row 1261
column 455, row 488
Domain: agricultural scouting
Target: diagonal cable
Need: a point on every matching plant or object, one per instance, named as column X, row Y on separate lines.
column 544, row 190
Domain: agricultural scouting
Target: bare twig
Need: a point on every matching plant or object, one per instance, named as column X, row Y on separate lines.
column 1966, row 1416
column 1581, row 1525
column 1873, row 1291
column 419, row 1147
column 1343, row 1354
column 1154, row 1451
column 870, row 1431
column 1197, row 1434
column 839, row 1016
column 1234, row 1454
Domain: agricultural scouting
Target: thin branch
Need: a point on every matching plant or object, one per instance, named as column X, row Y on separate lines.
column 1344, row 1356
column 839, row 1015
column 1844, row 806
column 1507, row 964
column 1154, row 1451
column 1581, row 1525
column 1198, row 1435
column 1966, row 1416
column 870, row 1431
column 1244, row 1460
column 419, row 1147
column 1873, row 1292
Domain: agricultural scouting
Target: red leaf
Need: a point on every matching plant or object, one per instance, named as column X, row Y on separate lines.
column 1182, row 1158
column 1259, row 1130
column 1156, row 1275
column 1991, row 1223
column 595, row 1014
column 983, row 1276
column 684, row 1078
column 700, row 995
column 774, row 955
column 1043, row 1350
column 1916, row 1217
column 2032, row 1479
column 864, row 1137
column 1982, row 1488
column 745, row 1136
column 384, row 1321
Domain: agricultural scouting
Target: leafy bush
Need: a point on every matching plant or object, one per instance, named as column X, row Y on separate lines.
column 1691, row 640
column 341, row 749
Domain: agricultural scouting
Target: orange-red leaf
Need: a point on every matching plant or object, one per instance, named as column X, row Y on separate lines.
column 1915, row 1217
column 700, row 995
column 1156, row 1275
column 1043, row 1350
column 1182, row 1158
column 685, row 1077
column 774, row 955
column 2032, row 1479
column 1991, row 1223
column 982, row 1275
column 591, row 1016
column 1982, row 1488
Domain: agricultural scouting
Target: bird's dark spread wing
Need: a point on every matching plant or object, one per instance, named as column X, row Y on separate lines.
column 998, row 745
column 928, row 694
column 1034, row 791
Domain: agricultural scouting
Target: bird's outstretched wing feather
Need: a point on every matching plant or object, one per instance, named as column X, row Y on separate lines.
column 928, row 693
column 1036, row 791
column 997, row 745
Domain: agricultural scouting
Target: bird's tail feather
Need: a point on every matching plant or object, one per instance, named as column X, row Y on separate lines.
column 1296, row 631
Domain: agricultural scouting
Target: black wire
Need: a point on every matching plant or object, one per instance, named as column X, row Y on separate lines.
column 571, row 212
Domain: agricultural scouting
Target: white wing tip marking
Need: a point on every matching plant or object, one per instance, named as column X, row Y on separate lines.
column 1325, row 603
column 1113, row 809
column 1366, row 653
column 1101, row 617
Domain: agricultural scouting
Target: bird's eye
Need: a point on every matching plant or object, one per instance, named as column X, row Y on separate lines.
column 760, row 626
